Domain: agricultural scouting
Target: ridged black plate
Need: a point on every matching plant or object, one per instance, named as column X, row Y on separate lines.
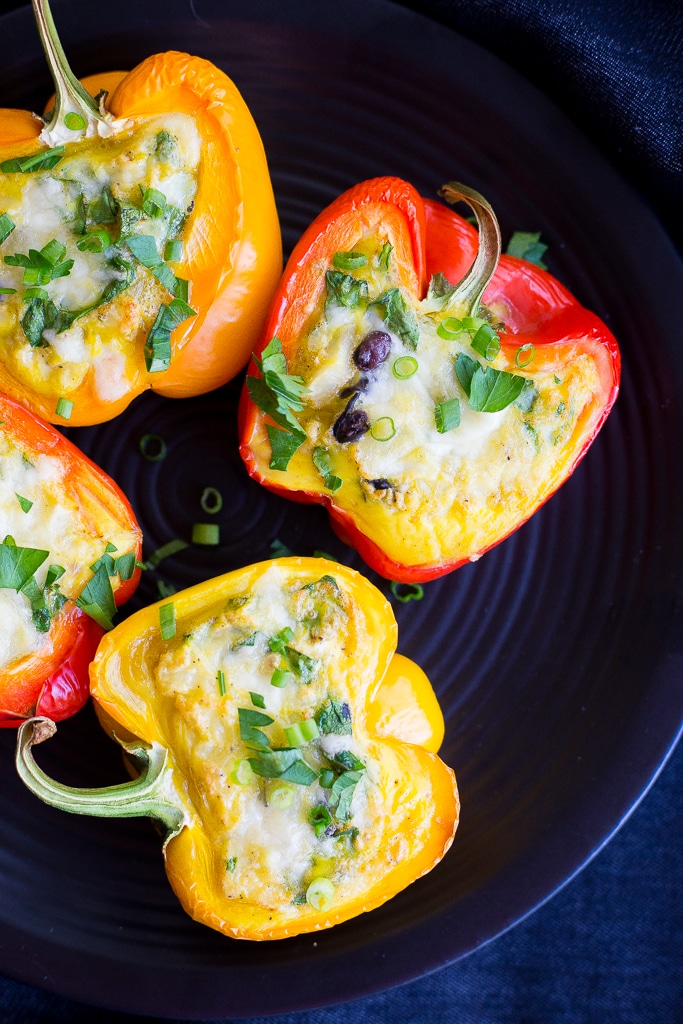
column 557, row 657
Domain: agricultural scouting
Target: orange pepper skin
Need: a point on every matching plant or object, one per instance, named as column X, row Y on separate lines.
column 536, row 309
column 232, row 246
column 419, row 807
column 54, row 680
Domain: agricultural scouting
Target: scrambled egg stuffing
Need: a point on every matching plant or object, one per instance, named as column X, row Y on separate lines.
column 290, row 654
column 43, row 506
column 95, row 302
column 429, row 489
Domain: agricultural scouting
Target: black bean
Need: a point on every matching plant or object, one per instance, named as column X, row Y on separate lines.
column 354, row 389
column 351, row 425
column 380, row 485
column 373, row 350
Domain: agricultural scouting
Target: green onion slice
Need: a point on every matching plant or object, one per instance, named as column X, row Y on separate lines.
column 242, row 773
column 302, row 732
column 383, row 429
column 405, row 592
column 349, row 260
column 280, row 795
column 280, row 678
column 525, row 354
column 64, row 408
column 152, row 447
column 211, row 501
column 449, row 328
column 447, row 415
column 206, row 534
column 220, row 679
column 486, row 342
column 320, row 894
column 404, row 367
column 167, row 623
column 173, row 250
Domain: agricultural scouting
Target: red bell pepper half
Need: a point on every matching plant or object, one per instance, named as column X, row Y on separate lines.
column 69, row 552
column 429, row 391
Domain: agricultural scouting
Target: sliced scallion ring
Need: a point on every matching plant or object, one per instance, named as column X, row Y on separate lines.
column 383, row 429
column 449, row 328
column 152, row 447
column 320, row 894
column 525, row 354
column 242, row 773
column 349, row 260
column 404, row 367
column 280, row 795
column 211, row 501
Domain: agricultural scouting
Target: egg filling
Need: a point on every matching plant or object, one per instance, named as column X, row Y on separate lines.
column 46, row 523
column 89, row 246
column 263, row 697
column 427, row 424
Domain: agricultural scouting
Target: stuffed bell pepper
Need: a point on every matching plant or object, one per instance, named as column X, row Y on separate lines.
column 429, row 391
column 139, row 241
column 286, row 749
column 69, row 550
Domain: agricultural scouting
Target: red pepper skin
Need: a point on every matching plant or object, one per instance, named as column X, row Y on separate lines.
column 535, row 307
column 55, row 681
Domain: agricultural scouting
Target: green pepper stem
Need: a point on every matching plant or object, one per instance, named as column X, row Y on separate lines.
column 474, row 283
column 149, row 795
column 70, row 96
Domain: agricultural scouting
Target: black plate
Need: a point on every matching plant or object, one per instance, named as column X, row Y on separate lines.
column 557, row 657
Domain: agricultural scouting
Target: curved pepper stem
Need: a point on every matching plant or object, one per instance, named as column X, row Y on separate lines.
column 76, row 114
column 475, row 281
column 148, row 796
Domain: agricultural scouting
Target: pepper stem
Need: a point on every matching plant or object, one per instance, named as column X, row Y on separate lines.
column 76, row 114
column 475, row 281
column 146, row 796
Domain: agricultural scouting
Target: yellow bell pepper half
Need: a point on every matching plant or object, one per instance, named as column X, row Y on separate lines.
column 288, row 751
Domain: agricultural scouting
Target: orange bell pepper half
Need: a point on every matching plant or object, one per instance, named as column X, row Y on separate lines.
column 69, row 546
column 157, row 247
column 288, row 751
column 431, row 393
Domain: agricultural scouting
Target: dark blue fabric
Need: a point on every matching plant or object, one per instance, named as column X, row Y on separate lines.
column 608, row 947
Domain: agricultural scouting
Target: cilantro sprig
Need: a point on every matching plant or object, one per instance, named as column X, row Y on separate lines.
column 279, row 395
column 42, row 265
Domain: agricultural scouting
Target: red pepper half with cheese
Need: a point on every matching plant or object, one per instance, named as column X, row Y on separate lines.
column 430, row 392
column 69, row 550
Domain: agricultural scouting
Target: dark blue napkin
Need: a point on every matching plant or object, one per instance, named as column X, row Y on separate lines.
column 609, row 946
